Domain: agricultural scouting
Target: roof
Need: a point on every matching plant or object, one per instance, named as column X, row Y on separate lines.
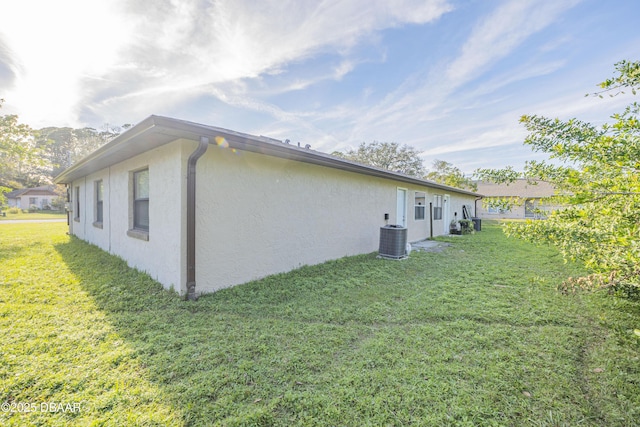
column 44, row 190
column 519, row 188
column 155, row 131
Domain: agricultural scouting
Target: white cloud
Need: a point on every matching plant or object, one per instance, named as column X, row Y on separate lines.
column 75, row 53
column 506, row 28
column 428, row 101
column 53, row 45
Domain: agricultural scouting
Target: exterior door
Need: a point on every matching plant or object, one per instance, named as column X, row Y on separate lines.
column 401, row 209
column 446, row 213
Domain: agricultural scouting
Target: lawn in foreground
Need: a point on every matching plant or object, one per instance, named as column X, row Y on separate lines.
column 33, row 215
column 475, row 335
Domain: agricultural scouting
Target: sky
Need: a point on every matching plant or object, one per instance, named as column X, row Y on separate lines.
column 450, row 78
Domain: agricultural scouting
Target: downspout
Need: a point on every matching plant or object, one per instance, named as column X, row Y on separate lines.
column 191, row 217
column 475, row 205
column 431, row 220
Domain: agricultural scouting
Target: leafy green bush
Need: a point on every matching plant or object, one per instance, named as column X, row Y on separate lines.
column 596, row 172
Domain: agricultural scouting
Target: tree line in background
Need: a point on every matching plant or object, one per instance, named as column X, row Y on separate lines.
column 406, row 160
column 32, row 158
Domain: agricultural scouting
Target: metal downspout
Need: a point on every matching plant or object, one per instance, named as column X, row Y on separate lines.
column 191, row 217
column 475, row 205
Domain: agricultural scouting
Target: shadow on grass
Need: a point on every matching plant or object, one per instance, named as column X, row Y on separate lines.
column 217, row 366
column 355, row 341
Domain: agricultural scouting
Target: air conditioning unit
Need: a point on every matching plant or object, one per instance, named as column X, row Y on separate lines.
column 393, row 242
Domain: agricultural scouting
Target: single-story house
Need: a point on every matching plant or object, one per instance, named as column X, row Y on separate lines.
column 26, row 198
column 525, row 199
column 202, row 208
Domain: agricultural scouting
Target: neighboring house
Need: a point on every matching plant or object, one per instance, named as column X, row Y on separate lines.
column 40, row 197
column 260, row 206
column 527, row 199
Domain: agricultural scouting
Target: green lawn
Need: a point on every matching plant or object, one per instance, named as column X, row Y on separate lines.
column 33, row 215
column 475, row 335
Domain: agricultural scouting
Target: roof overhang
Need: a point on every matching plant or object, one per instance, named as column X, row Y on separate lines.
column 156, row 131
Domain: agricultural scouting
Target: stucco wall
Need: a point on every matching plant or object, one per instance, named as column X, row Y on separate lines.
column 163, row 255
column 255, row 215
column 22, row 202
column 259, row 215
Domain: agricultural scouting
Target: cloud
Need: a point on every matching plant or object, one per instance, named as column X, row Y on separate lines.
column 500, row 33
column 101, row 53
column 431, row 100
column 61, row 42
column 199, row 43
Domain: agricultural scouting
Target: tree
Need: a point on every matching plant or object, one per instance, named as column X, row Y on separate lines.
column 62, row 147
column 446, row 173
column 387, row 155
column 21, row 161
column 597, row 173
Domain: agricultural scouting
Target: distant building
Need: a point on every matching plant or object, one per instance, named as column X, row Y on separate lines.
column 40, row 197
column 527, row 199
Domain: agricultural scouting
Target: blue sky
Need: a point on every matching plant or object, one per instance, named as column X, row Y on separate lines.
column 448, row 77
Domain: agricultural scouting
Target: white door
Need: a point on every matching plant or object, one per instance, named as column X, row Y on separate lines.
column 446, row 213
column 401, row 207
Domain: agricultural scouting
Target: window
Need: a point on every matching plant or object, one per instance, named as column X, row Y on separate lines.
column 76, row 215
column 419, row 206
column 32, row 201
column 141, row 200
column 530, row 208
column 99, row 202
column 495, row 210
column 437, row 207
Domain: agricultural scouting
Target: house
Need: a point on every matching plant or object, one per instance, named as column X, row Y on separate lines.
column 26, row 198
column 525, row 199
column 202, row 208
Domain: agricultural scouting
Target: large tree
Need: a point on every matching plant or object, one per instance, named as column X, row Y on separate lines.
column 64, row 146
column 448, row 174
column 387, row 155
column 22, row 162
column 596, row 170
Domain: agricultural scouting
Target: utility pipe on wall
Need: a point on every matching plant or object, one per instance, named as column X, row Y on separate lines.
column 191, row 216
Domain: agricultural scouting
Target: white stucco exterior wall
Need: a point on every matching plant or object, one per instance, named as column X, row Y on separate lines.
column 256, row 215
column 259, row 215
column 163, row 255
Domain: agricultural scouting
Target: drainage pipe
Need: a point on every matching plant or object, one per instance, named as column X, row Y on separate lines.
column 475, row 205
column 191, row 217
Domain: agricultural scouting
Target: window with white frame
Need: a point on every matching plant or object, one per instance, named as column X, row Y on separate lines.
column 437, row 207
column 419, row 208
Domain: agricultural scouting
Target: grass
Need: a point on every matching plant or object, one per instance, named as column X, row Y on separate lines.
column 475, row 335
column 33, row 215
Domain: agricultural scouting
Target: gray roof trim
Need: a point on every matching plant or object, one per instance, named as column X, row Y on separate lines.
column 156, row 131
